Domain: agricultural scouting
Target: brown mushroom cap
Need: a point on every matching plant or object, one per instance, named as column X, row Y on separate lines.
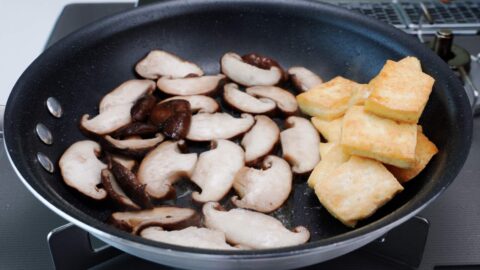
column 300, row 144
column 304, row 79
column 142, row 108
column 167, row 217
column 198, row 103
column 115, row 192
column 190, row 86
column 244, row 102
column 135, row 129
column 130, row 184
column 81, row 168
column 285, row 100
column 189, row 237
column 263, row 190
column 252, row 229
column 173, row 117
column 246, row 74
column 216, row 169
column 207, row 127
column 261, row 139
column 163, row 166
column 160, row 63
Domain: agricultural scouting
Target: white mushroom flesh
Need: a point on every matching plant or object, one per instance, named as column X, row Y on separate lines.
column 190, row 86
column 160, row 63
column 164, row 165
column 128, row 92
column 243, row 73
column 207, row 127
column 260, row 140
column 198, row 103
column 252, row 229
column 109, row 120
column 303, row 78
column 300, row 144
column 125, row 161
column 266, row 189
column 81, row 168
column 216, row 169
column 135, row 143
column 285, row 100
column 245, row 102
column 189, row 237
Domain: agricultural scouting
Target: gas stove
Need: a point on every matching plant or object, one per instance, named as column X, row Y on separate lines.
column 446, row 235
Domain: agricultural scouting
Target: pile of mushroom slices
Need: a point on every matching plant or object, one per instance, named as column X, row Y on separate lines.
column 141, row 142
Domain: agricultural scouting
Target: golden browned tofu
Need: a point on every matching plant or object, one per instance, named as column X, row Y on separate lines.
column 400, row 91
column 330, row 130
column 368, row 135
column 361, row 92
column 424, row 152
column 323, row 148
column 334, row 157
column 328, row 100
column 356, row 189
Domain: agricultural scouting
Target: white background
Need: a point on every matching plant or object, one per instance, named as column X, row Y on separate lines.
column 24, row 29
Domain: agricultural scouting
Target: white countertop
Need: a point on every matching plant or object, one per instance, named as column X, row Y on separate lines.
column 24, row 29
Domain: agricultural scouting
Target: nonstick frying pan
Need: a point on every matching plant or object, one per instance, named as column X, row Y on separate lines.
column 84, row 66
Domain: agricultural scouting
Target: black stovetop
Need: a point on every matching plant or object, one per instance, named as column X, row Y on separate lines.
column 453, row 240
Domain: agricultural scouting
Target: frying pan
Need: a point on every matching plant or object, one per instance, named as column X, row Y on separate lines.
column 84, row 66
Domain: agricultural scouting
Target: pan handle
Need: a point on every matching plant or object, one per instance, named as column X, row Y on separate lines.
column 2, row 110
column 471, row 90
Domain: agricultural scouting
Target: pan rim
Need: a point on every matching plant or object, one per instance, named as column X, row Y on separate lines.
column 389, row 221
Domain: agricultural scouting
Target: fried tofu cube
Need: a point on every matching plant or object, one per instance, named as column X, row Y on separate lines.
column 361, row 92
column 400, row 91
column 328, row 100
column 356, row 189
column 330, row 130
column 334, row 157
column 323, row 148
column 368, row 135
column 424, row 152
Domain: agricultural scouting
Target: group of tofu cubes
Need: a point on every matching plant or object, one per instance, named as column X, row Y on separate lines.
column 374, row 144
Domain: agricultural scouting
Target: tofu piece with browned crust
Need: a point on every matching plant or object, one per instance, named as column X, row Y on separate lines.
column 334, row 156
column 328, row 100
column 400, row 91
column 330, row 130
column 368, row 135
column 424, row 152
column 356, row 189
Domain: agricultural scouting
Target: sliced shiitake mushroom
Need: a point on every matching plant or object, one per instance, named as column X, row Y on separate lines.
column 198, row 103
column 244, row 102
column 303, row 79
column 266, row 189
column 216, row 169
column 126, row 93
column 115, row 192
column 172, row 117
column 261, row 139
column 123, row 160
column 286, row 101
column 108, row 121
column 131, row 147
column 189, row 237
column 160, row 63
column 263, row 62
column 167, row 217
column 129, row 183
column 207, row 127
column 135, row 129
column 190, row 86
column 252, row 229
column 142, row 108
column 300, row 144
column 163, row 166
column 247, row 74
column 81, row 169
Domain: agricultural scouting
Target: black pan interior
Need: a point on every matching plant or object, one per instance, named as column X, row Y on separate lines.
column 82, row 68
